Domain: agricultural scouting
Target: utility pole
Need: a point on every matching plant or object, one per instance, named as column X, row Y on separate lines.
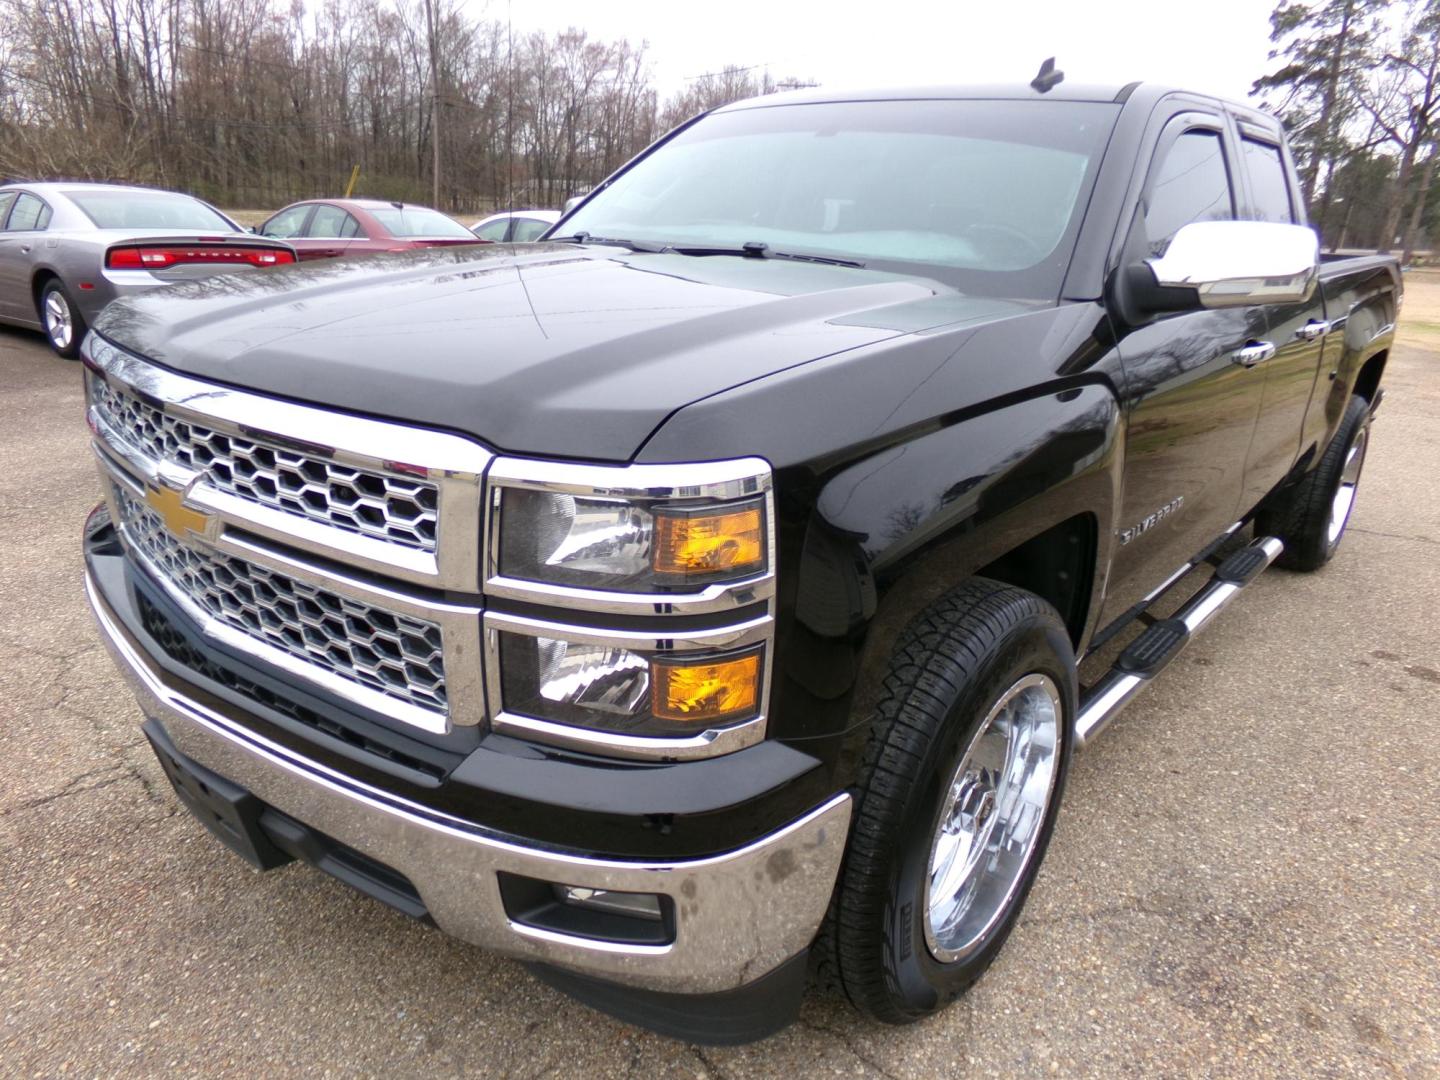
column 434, row 101
column 509, row 108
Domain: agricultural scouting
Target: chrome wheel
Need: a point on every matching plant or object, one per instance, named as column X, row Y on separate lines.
column 59, row 323
column 991, row 818
column 1344, row 500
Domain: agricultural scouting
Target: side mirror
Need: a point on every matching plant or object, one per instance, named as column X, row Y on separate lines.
column 574, row 201
column 1238, row 264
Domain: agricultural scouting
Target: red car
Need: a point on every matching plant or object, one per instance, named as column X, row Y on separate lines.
column 326, row 228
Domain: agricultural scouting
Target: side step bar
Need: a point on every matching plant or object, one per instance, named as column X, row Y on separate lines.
column 1162, row 641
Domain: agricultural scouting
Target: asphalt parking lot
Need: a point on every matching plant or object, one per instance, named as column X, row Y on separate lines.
column 1245, row 879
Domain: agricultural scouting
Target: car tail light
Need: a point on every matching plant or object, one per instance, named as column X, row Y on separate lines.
column 158, row 258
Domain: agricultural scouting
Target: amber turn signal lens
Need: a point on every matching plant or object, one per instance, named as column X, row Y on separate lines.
column 696, row 544
column 706, row 691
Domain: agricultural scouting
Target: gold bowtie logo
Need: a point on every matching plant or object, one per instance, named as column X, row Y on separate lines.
column 179, row 519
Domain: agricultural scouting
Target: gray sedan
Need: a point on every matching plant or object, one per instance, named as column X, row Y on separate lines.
column 68, row 249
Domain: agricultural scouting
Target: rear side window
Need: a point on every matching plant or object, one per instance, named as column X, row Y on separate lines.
column 331, row 222
column 1191, row 184
column 1269, row 190
column 29, row 214
column 6, row 198
column 528, row 230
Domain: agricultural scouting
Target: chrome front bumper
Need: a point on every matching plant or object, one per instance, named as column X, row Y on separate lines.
column 738, row 915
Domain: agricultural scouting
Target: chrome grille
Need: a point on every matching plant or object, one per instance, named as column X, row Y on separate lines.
column 397, row 655
column 396, row 509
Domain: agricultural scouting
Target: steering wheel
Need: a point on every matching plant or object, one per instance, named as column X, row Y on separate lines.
column 1002, row 239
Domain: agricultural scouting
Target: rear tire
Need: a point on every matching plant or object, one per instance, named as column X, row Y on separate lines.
column 1312, row 516
column 946, row 842
column 61, row 320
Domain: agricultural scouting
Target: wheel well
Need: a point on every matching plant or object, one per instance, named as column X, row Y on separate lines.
column 1368, row 381
column 37, row 286
column 1058, row 566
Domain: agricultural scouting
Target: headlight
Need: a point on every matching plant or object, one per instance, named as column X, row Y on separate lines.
column 629, row 530
column 617, row 554
column 628, row 691
column 630, row 546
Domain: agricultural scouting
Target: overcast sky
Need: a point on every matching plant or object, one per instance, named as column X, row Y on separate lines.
column 1219, row 46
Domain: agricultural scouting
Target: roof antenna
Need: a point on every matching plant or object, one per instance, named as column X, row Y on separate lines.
column 1048, row 78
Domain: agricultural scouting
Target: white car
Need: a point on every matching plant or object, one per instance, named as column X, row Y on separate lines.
column 515, row 226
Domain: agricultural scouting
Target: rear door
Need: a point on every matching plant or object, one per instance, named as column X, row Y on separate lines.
column 27, row 219
column 8, row 294
column 1192, row 402
column 1297, row 331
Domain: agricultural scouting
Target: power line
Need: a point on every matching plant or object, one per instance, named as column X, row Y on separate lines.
column 725, row 71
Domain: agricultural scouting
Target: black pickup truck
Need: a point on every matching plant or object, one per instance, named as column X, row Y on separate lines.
column 691, row 603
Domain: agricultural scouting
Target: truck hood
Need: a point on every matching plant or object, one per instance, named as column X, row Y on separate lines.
column 549, row 349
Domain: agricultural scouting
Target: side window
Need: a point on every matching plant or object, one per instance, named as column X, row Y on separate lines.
column 351, row 229
column 1268, row 187
column 331, row 222
column 1191, row 184
column 287, row 223
column 527, row 229
column 6, row 198
column 29, row 213
column 493, row 230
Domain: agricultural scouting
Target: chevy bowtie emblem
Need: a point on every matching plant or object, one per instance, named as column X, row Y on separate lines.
column 179, row 519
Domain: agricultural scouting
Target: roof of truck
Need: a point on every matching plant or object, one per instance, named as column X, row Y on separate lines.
column 1102, row 92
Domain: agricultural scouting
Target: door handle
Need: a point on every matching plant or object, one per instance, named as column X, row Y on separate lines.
column 1313, row 329
column 1254, row 353
column 24, row 249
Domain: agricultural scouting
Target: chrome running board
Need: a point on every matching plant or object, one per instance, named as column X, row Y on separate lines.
column 1165, row 639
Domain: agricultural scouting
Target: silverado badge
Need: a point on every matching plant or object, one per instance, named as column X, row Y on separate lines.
column 1126, row 535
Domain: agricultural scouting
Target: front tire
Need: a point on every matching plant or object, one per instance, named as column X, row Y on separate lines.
column 63, row 324
column 958, row 794
column 1311, row 517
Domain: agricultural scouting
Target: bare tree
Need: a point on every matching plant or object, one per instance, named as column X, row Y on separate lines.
column 262, row 101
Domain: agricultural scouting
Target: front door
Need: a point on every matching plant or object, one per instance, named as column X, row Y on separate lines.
column 328, row 234
column 1191, row 391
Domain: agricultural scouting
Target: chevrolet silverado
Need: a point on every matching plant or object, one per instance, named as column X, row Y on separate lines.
column 690, row 604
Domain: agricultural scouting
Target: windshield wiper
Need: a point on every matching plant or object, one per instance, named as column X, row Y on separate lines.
column 754, row 249
column 614, row 241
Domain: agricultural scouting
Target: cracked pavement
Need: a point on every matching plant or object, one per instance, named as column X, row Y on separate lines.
column 1245, row 879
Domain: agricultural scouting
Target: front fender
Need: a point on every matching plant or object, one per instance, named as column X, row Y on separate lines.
column 903, row 469
column 890, row 534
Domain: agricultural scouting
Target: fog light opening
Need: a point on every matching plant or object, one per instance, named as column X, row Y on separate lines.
column 621, row 918
column 635, row 905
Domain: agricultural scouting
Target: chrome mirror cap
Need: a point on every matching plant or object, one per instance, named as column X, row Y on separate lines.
column 1240, row 263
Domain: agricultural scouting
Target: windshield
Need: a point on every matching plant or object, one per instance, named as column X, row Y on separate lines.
column 418, row 221
column 986, row 195
column 147, row 210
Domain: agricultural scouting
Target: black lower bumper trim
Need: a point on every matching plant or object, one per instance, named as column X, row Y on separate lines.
column 228, row 811
column 266, row 838
column 745, row 1014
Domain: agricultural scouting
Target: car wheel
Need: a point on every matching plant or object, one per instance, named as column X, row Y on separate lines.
column 1311, row 517
column 64, row 325
column 958, row 793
